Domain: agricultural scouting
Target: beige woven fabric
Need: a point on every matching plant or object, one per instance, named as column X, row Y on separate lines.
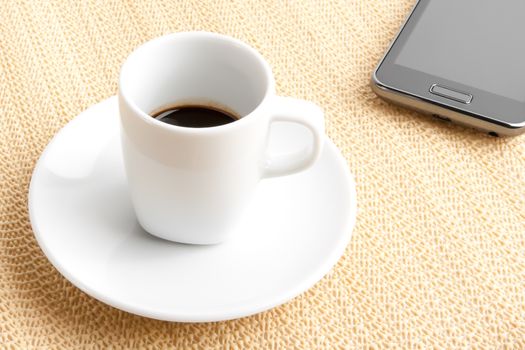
column 437, row 259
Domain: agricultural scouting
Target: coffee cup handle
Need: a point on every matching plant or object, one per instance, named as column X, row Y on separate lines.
column 307, row 114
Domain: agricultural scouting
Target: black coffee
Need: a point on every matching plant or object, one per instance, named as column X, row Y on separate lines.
column 194, row 116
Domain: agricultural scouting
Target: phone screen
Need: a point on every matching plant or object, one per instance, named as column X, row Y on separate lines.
column 479, row 43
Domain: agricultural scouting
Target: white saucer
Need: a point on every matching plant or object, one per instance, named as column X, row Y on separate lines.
column 294, row 232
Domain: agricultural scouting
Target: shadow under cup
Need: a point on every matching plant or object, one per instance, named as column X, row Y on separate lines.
column 195, row 68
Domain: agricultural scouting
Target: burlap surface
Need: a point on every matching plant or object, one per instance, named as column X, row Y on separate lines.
column 437, row 258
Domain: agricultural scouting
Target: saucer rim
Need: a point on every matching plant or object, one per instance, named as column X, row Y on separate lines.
column 245, row 309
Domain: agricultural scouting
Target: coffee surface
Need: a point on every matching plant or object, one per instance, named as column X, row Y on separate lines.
column 194, row 116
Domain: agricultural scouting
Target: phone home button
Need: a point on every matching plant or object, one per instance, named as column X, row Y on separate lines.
column 449, row 93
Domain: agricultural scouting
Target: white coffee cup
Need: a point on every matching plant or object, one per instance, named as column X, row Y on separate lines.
column 191, row 185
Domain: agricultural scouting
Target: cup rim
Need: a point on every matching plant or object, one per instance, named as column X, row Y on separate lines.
column 270, row 87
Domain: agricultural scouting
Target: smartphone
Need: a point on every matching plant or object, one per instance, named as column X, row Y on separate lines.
column 461, row 61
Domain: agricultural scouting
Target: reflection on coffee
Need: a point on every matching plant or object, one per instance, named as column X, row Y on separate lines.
column 194, row 116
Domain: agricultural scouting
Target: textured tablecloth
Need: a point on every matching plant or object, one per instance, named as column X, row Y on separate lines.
column 437, row 258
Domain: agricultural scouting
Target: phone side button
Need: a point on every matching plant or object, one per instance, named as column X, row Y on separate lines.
column 452, row 94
